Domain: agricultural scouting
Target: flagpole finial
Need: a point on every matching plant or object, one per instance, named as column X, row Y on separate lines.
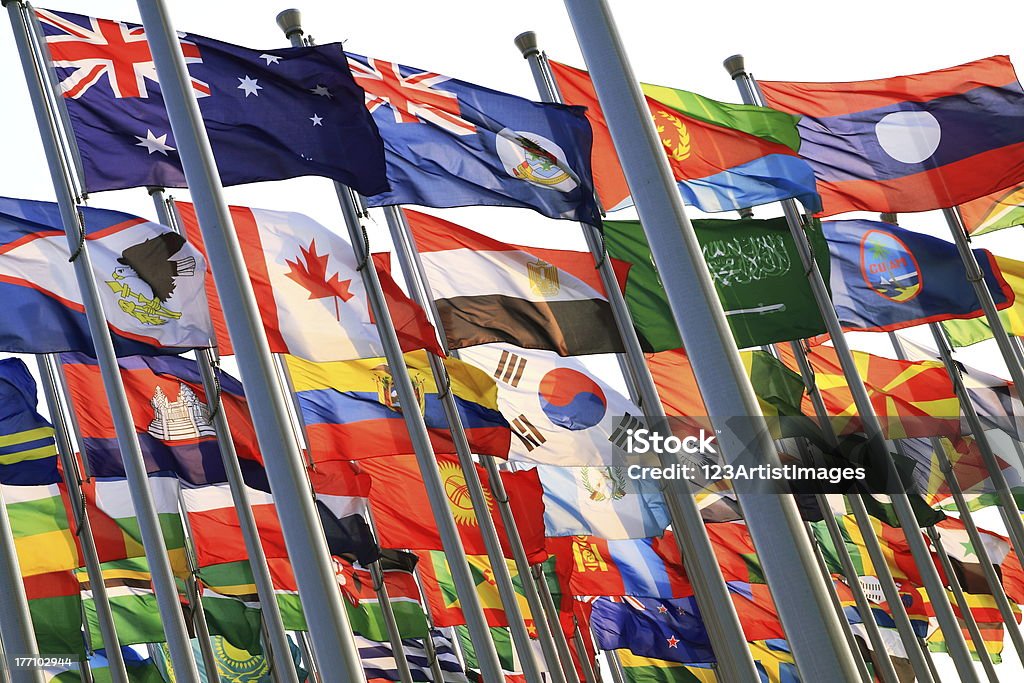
column 735, row 66
column 290, row 21
column 527, row 44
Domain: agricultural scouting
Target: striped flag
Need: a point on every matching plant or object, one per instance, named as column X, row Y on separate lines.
column 132, row 602
column 55, row 603
column 28, row 453
column 379, row 659
column 488, row 291
column 43, row 537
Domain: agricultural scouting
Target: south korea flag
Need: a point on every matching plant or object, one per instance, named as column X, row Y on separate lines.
column 560, row 413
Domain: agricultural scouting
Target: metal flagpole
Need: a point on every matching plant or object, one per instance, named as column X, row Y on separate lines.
column 554, row 624
column 48, row 378
column 270, row 610
column 15, row 620
column 131, row 454
column 307, row 655
column 290, row 22
column 436, row 672
column 891, row 593
column 584, row 654
column 872, row 427
column 195, row 601
column 420, row 292
column 977, row 280
column 478, row 499
column 321, row 600
column 1007, row 504
column 970, row 623
column 773, row 520
column 691, row 537
column 988, row 569
column 615, row 666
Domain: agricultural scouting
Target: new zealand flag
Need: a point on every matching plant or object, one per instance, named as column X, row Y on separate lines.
column 451, row 143
column 269, row 115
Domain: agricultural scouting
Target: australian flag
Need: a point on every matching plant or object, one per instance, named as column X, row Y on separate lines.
column 270, row 115
column 451, row 143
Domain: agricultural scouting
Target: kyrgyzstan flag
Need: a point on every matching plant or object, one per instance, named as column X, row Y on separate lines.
column 489, row 291
column 405, row 520
column 309, row 289
column 910, row 143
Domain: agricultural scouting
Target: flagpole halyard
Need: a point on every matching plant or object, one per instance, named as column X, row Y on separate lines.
column 48, row 377
column 269, row 609
column 872, row 427
column 691, row 538
column 330, row 629
column 135, row 470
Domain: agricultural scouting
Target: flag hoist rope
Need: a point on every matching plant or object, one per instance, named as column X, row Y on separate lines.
column 290, row 23
column 135, row 470
column 956, row 644
column 773, row 520
column 270, row 611
column 330, row 630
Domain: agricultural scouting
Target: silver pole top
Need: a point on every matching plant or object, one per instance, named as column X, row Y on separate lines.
column 527, row 43
column 290, row 21
column 734, row 65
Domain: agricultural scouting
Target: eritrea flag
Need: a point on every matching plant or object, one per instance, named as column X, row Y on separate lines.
column 724, row 156
column 910, row 143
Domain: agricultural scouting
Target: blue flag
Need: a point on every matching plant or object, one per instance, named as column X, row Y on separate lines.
column 151, row 283
column 451, row 143
column 28, row 454
column 270, row 114
column 886, row 278
column 671, row 630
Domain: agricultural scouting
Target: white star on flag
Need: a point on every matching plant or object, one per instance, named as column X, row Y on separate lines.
column 153, row 143
column 321, row 90
column 271, row 59
column 316, row 120
column 250, row 86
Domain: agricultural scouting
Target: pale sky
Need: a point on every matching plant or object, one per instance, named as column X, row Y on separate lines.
column 678, row 44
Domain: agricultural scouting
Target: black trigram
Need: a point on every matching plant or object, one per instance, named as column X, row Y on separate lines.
column 621, row 432
column 510, row 368
column 527, row 433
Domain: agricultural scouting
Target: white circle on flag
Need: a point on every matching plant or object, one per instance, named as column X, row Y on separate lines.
column 909, row 136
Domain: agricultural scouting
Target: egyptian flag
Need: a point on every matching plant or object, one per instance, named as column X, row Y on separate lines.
column 910, row 143
column 489, row 291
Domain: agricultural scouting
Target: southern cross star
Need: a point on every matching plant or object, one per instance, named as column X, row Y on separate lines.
column 250, row 86
column 152, row 143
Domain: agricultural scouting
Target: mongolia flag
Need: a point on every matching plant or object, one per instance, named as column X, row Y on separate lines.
column 910, row 143
column 309, row 289
column 351, row 409
column 489, row 291
column 884, row 278
column 724, row 156
column 150, row 283
column 642, row 567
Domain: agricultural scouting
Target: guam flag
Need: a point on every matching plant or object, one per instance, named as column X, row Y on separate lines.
column 910, row 143
column 886, row 278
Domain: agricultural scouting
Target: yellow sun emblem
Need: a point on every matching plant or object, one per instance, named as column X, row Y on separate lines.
column 457, row 490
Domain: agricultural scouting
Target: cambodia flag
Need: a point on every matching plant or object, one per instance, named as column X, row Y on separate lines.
column 910, row 143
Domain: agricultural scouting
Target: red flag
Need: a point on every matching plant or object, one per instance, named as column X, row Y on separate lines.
column 404, row 520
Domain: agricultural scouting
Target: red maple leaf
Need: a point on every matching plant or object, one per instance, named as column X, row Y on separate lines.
column 310, row 272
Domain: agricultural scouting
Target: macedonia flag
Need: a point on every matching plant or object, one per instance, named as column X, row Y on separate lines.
column 911, row 398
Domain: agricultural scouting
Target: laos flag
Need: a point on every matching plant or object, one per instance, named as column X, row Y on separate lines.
column 910, row 143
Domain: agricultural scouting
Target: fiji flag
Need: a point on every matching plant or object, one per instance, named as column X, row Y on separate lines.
column 150, row 282
column 886, row 278
column 270, row 115
column 910, row 143
column 28, row 454
column 451, row 143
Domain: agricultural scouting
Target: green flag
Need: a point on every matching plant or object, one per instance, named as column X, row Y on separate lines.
column 974, row 330
column 756, row 269
column 132, row 602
